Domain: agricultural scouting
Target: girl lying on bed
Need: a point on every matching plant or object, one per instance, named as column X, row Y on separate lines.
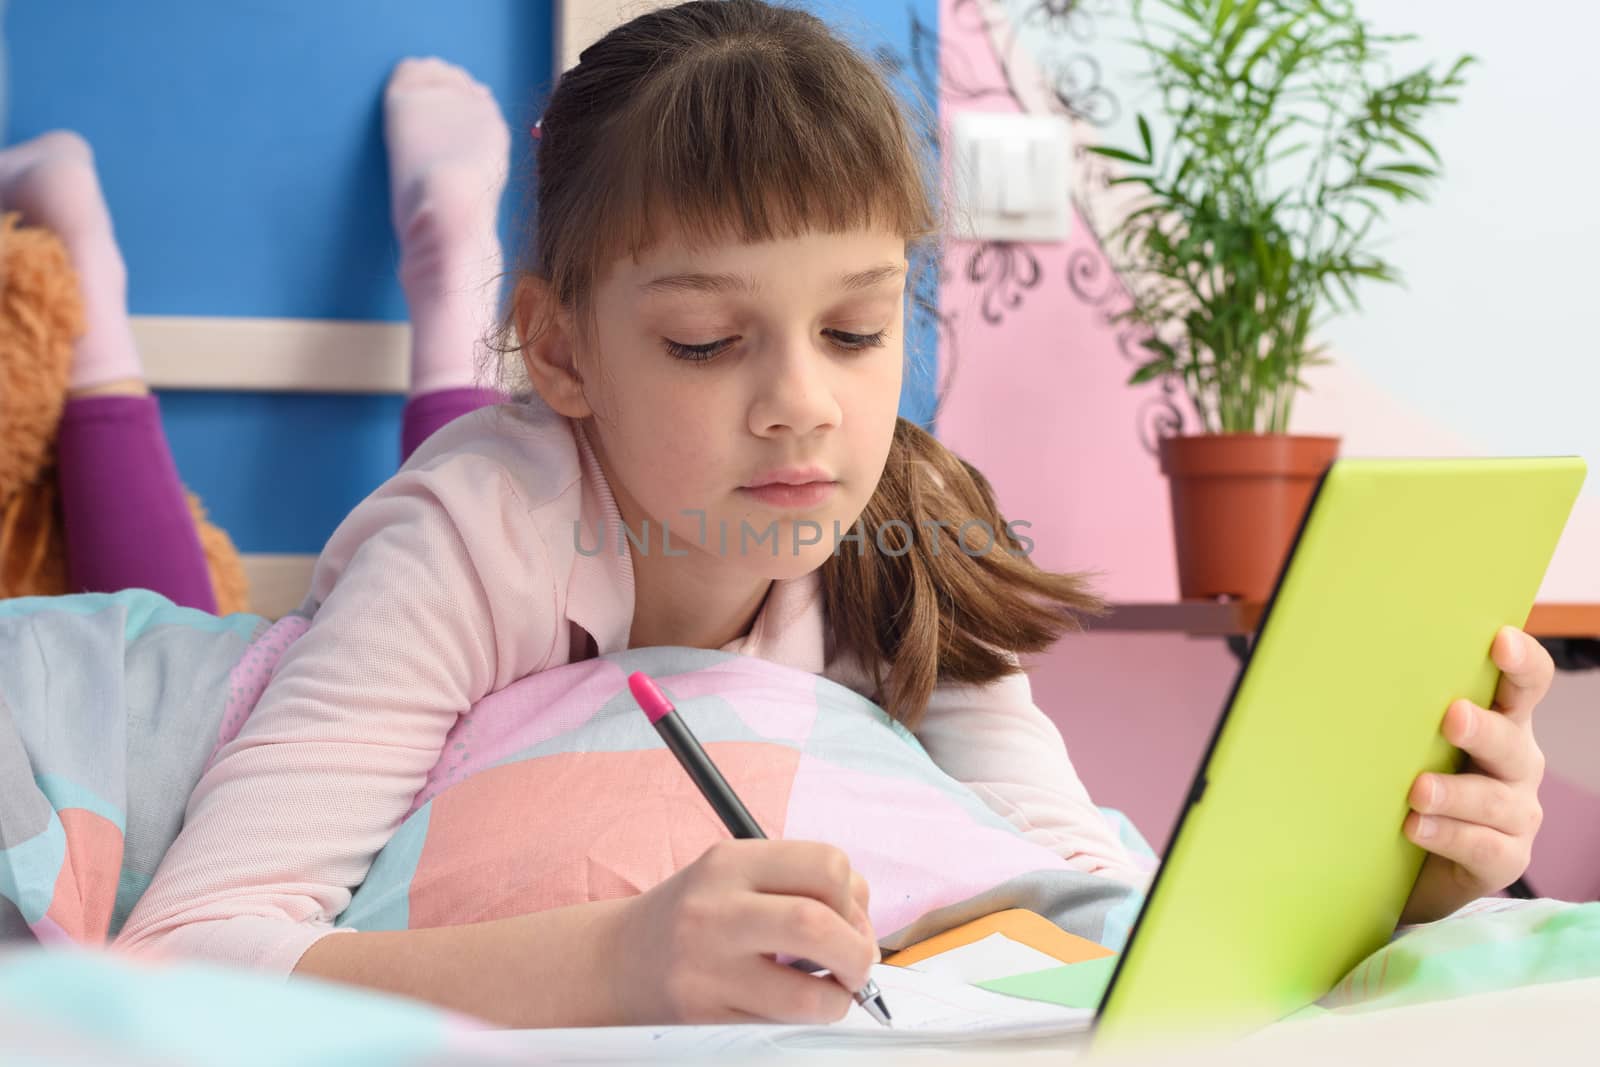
column 710, row 316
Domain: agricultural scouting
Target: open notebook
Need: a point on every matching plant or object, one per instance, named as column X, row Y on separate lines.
column 930, row 991
column 929, row 1009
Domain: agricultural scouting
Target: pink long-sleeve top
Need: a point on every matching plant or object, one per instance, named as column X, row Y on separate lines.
column 454, row 579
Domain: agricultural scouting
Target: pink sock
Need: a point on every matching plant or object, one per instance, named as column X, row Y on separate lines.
column 449, row 153
column 51, row 181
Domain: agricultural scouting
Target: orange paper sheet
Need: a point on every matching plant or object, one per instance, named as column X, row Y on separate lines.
column 1020, row 925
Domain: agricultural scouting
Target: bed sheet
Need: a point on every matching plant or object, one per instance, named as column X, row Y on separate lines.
column 1499, row 983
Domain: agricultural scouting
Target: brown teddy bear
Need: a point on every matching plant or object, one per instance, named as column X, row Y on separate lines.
column 41, row 314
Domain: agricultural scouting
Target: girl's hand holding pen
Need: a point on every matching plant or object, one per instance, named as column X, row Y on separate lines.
column 701, row 947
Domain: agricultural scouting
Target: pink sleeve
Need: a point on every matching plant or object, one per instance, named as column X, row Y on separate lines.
column 994, row 740
column 435, row 592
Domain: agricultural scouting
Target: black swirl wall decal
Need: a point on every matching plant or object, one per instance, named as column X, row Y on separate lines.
column 1091, row 279
column 1069, row 17
column 1159, row 416
column 1078, row 87
column 1005, row 270
column 1071, row 72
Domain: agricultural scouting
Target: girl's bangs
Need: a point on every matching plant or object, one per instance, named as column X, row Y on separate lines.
column 749, row 152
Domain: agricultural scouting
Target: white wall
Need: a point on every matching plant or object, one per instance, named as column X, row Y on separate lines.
column 1495, row 333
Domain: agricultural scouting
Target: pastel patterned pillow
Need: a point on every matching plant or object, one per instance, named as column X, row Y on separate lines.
column 557, row 790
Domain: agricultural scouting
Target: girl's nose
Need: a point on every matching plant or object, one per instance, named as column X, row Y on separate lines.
column 794, row 392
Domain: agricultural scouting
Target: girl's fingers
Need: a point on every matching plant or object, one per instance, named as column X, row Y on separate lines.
column 775, row 993
column 1487, row 860
column 1526, row 671
column 859, row 891
column 1499, row 746
column 860, row 917
column 1474, row 798
column 794, row 868
column 770, row 924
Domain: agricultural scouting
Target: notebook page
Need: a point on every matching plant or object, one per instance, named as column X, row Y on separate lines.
column 988, row 958
column 928, row 1010
column 935, row 1008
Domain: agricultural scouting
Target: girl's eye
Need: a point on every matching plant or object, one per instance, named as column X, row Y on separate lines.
column 850, row 342
column 855, row 341
column 696, row 353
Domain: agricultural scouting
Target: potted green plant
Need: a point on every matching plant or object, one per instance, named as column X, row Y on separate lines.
column 1251, row 223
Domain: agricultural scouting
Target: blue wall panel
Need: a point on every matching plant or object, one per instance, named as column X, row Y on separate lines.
column 240, row 146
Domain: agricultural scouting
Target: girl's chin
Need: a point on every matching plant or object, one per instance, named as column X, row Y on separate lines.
column 785, row 565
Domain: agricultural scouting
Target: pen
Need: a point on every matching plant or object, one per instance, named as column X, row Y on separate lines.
column 734, row 815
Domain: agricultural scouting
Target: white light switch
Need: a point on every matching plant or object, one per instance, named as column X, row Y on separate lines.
column 1011, row 176
column 1016, row 177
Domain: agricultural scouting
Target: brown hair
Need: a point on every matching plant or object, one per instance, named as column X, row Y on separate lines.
column 740, row 119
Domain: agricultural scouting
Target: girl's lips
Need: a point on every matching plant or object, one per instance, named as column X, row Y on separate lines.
column 803, row 496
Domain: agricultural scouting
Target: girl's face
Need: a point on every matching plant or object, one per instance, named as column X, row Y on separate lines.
column 745, row 394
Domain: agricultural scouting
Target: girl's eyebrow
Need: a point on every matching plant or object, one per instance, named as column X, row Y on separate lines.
column 698, row 283
column 872, row 276
column 723, row 283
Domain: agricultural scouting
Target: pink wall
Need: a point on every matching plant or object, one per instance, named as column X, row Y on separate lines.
column 1037, row 400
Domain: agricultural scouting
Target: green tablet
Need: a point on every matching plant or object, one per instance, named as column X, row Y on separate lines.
column 1288, row 864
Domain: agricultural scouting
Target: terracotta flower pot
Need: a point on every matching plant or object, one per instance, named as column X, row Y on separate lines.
column 1237, row 502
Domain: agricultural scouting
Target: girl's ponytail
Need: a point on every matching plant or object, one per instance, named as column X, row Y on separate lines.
column 938, row 588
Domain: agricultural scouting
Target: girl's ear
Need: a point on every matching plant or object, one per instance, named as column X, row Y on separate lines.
column 546, row 332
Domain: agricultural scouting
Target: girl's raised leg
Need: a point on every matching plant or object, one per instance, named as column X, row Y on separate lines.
column 449, row 154
column 127, row 522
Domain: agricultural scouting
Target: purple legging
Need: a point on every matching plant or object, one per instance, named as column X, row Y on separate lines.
column 127, row 523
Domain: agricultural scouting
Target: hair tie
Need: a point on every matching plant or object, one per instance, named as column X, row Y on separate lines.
column 535, row 130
